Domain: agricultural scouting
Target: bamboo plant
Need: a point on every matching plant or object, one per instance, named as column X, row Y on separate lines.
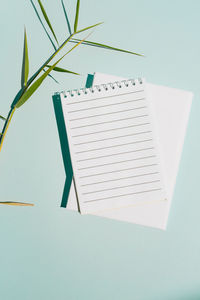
column 29, row 84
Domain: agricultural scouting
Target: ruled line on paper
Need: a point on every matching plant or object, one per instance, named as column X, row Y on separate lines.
column 103, row 97
column 106, row 105
column 114, row 154
column 147, row 191
column 146, row 115
column 113, row 129
column 118, row 162
column 112, row 138
column 121, row 187
column 121, row 178
column 139, row 167
column 110, row 113
column 114, row 146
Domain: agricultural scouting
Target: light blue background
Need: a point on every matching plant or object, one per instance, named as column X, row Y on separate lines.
column 47, row 252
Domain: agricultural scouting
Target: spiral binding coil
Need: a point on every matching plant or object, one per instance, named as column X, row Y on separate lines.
column 103, row 87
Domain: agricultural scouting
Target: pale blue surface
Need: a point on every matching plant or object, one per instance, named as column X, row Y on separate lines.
column 50, row 253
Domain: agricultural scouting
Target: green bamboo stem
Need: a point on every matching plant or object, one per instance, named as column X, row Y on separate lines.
column 6, row 125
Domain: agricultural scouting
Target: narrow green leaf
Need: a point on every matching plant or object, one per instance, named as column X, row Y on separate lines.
column 89, row 27
column 25, row 63
column 38, row 16
column 53, row 78
column 1, row 117
column 66, row 17
column 58, row 69
column 76, row 16
column 16, row 203
column 47, row 19
column 89, row 43
column 39, row 81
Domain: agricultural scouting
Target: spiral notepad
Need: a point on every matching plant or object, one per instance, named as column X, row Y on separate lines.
column 113, row 146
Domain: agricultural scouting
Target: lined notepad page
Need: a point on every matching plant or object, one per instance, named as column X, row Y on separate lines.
column 113, row 147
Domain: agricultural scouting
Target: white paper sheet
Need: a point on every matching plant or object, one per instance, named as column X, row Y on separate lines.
column 171, row 133
column 113, row 146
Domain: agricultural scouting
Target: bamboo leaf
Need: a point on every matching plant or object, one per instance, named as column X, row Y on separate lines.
column 25, row 63
column 15, row 203
column 1, row 117
column 58, row 69
column 66, row 17
column 47, row 19
column 87, row 44
column 90, row 43
column 77, row 15
column 39, row 81
column 53, row 78
column 89, row 27
column 37, row 14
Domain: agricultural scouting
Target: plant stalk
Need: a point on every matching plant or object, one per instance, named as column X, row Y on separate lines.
column 6, row 125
